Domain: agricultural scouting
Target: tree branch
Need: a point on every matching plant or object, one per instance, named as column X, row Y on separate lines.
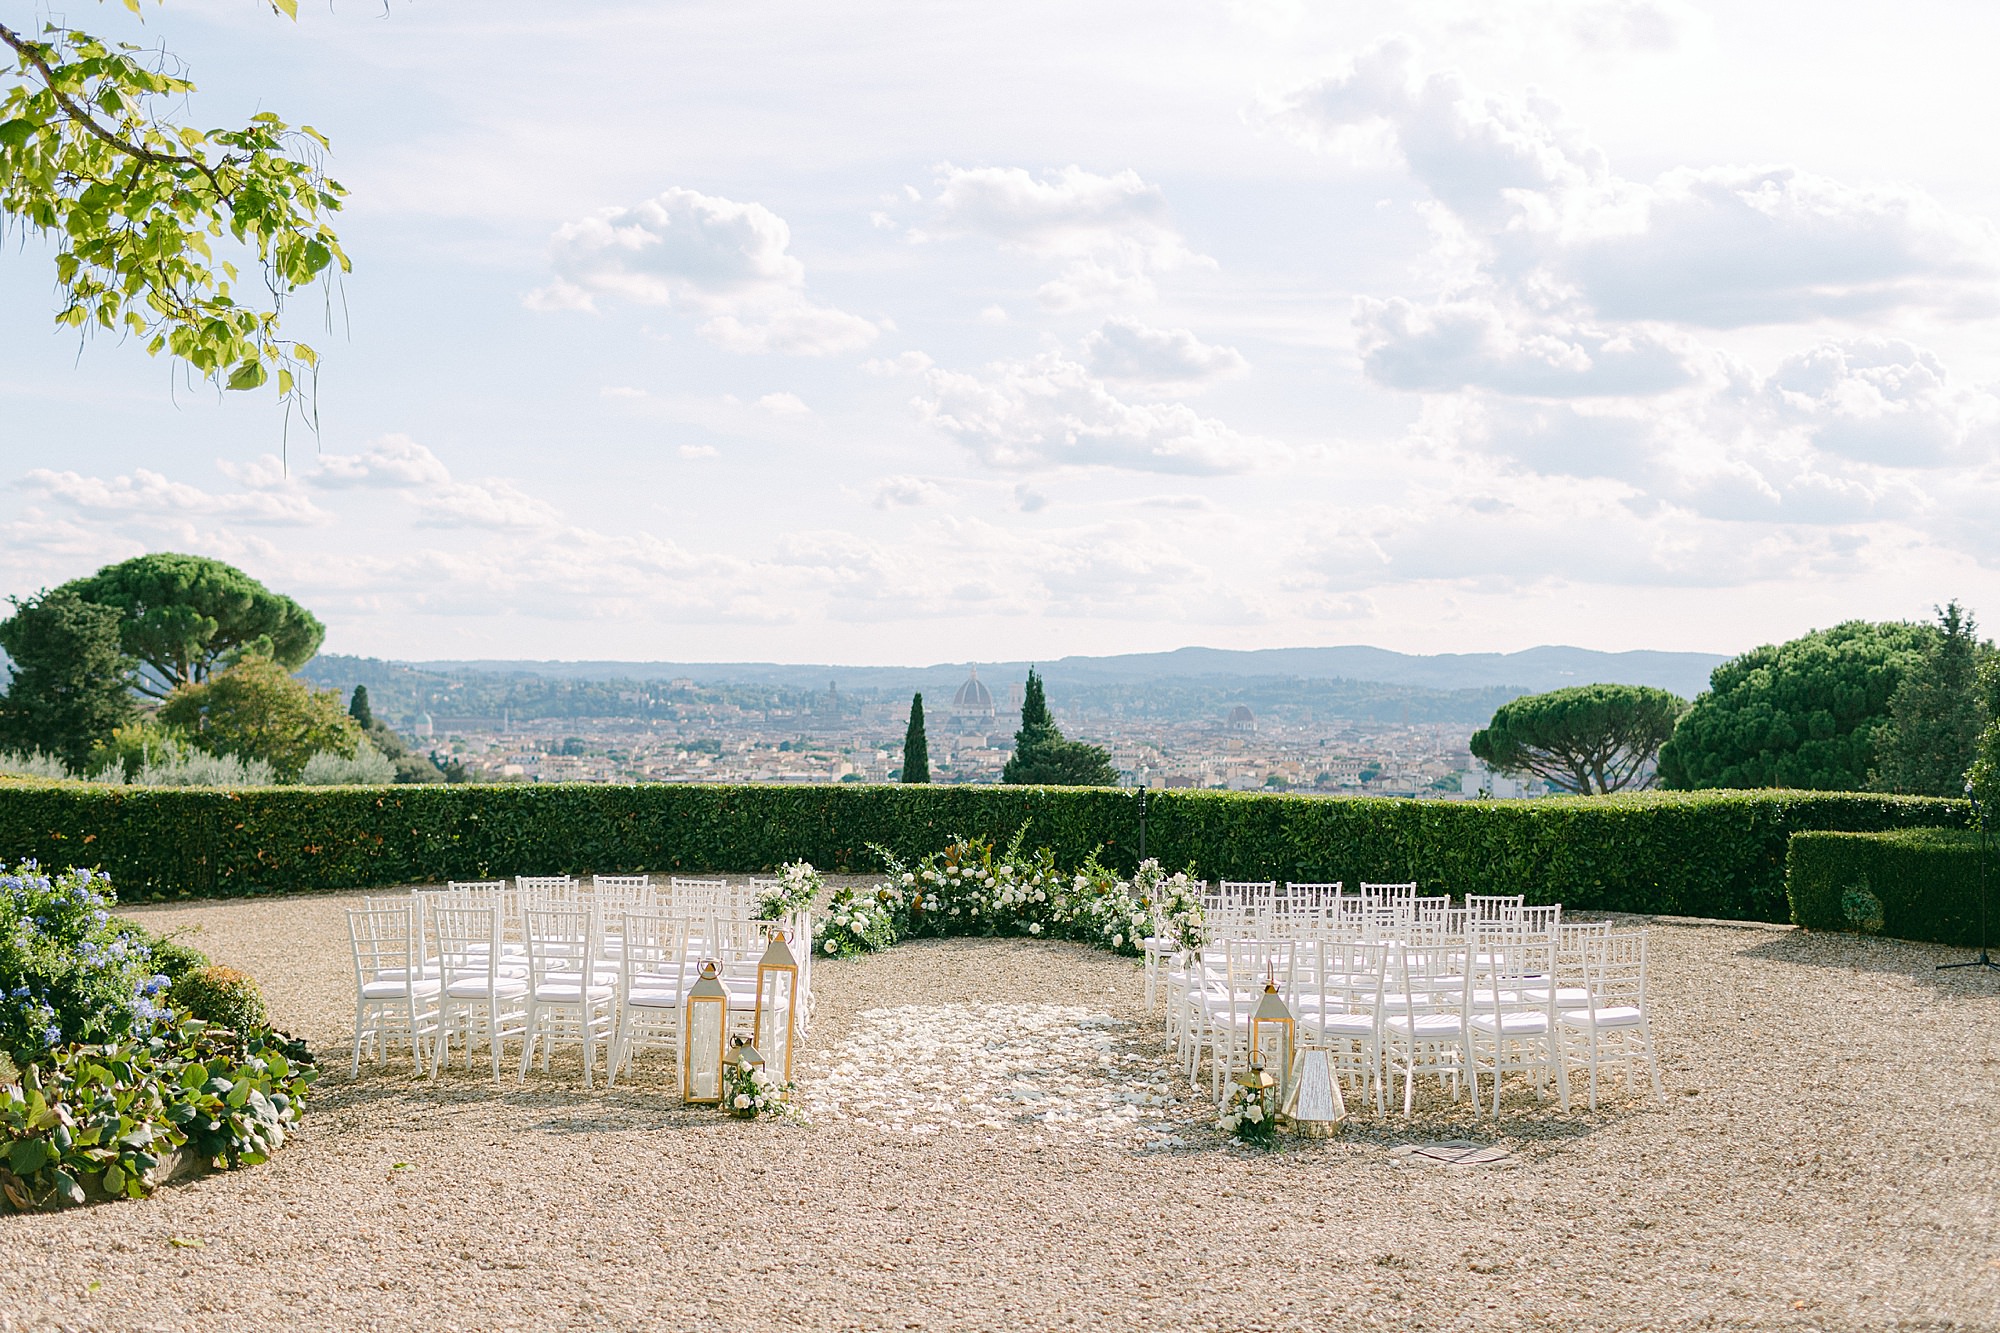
column 32, row 53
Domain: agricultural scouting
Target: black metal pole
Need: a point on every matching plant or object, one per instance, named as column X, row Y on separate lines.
column 1984, row 960
column 1142, row 825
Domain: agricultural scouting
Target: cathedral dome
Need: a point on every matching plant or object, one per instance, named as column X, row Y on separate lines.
column 973, row 697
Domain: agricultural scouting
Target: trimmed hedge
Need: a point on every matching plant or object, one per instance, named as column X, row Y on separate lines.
column 1697, row 853
column 1914, row 884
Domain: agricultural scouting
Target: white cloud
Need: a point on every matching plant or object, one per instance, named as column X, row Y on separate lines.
column 907, row 491
column 905, row 363
column 1468, row 341
column 784, row 405
column 699, row 451
column 1718, row 247
column 1125, row 349
column 1112, row 234
column 489, row 504
column 1051, row 410
column 730, row 261
column 146, row 494
column 392, row 462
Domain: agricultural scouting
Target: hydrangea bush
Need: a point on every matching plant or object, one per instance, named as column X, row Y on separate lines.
column 69, row 970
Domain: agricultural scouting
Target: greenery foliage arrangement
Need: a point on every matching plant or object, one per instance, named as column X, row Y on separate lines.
column 1802, row 714
column 1912, row 884
column 222, row 996
column 1588, row 739
column 1698, row 854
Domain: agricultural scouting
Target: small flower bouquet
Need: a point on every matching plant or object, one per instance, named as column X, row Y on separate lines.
column 799, row 887
column 1248, row 1115
column 750, row 1090
column 857, row 921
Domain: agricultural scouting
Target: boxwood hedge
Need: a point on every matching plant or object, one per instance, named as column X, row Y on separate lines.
column 1697, row 853
column 1912, row 884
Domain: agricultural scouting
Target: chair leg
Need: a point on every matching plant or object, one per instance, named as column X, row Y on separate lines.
column 354, row 1070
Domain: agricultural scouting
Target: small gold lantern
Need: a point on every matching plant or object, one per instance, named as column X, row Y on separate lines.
column 1262, row 1087
column 777, row 1005
column 1315, row 1107
column 704, row 1020
column 1271, row 1032
column 741, row 1055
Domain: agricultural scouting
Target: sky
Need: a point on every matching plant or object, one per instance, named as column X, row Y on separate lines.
column 892, row 332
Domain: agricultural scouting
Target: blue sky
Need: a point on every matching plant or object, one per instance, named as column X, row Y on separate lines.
column 890, row 332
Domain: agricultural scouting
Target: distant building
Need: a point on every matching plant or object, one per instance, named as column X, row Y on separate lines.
column 973, row 702
column 1242, row 719
column 426, row 728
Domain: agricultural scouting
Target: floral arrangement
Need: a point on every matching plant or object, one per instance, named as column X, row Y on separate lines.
column 69, row 970
column 750, row 1090
column 857, row 921
column 1248, row 1115
column 799, row 887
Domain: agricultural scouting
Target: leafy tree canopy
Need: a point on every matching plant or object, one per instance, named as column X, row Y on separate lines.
column 1589, row 739
column 151, row 218
column 1043, row 757
column 1985, row 774
column 916, row 745
column 68, row 690
column 1797, row 714
column 181, row 615
column 1936, row 714
column 258, row 710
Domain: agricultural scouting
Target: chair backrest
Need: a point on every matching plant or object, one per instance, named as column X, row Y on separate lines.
column 1510, row 971
column 1542, row 919
column 384, row 943
column 599, row 883
column 468, row 942
column 1427, row 978
column 1489, row 909
column 544, row 891
column 562, row 941
column 1387, row 891
column 1615, row 970
column 655, row 952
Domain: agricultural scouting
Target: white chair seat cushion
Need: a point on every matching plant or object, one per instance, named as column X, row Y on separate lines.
column 475, row 988
column 1619, row 1016
column 556, row 991
column 1426, row 1025
column 1348, row 1022
column 386, row 988
column 651, row 998
column 1511, row 1024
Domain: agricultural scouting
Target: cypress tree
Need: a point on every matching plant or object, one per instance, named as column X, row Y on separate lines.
column 359, row 709
column 916, row 748
column 1043, row 757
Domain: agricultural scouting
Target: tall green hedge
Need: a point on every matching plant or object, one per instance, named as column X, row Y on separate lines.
column 1698, row 853
column 1912, row 884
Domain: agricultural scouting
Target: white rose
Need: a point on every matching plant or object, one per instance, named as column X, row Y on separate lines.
column 833, row 946
column 1117, row 941
column 742, row 1102
column 1034, row 927
column 1254, row 1114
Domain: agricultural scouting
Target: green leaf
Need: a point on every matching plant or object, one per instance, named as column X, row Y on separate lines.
column 249, row 375
column 14, row 133
column 28, row 1156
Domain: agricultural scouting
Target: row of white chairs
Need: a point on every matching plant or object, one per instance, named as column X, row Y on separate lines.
column 1502, row 989
column 546, row 959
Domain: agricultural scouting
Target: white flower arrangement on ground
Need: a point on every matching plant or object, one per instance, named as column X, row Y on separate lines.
column 857, row 921
column 1248, row 1116
column 799, row 887
column 749, row 1091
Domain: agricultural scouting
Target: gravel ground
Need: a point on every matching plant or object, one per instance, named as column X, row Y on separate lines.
column 1827, row 1158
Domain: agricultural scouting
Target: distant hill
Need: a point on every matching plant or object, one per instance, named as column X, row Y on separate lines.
column 1531, row 670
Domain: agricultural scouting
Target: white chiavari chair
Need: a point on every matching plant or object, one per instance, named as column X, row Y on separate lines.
column 480, row 995
column 569, row 996
column 1510, row 1020
column 654, row 974
column 1340, row 1007
column 1423, row 1023
column 395, row 995
column 1612, row 1027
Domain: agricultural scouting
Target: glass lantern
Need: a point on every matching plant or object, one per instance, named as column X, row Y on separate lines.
column 742, row 1055
column 1271, row 1032
column 703, row 1023
column 1261, row 1087
column 777, row 1006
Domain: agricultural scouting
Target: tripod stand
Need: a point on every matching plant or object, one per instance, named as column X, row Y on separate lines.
column 1984, row 960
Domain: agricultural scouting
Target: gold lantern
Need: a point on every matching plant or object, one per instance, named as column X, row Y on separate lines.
column 1315, row 1107
column 777, row 1006
column 1261, row 1087
column 704, row 1020
column 741, row 1055
column 1271, row 1032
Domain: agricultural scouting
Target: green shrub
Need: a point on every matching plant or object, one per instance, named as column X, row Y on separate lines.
column 107, row 1114
column 1694, row 853
column 220, row 995
column 69, row 970
column 171, row 958
column 1914, row 884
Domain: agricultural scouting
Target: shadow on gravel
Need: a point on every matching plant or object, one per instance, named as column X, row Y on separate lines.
column 1916, row 961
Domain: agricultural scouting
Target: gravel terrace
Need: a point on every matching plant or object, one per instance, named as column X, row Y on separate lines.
column 995, row 1141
